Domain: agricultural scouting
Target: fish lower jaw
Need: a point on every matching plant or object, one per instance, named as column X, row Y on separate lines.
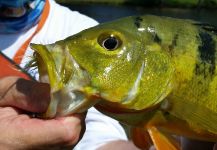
column 65, row 102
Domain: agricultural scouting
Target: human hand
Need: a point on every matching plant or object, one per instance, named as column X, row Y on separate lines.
column 21, row 132
column 118, row 145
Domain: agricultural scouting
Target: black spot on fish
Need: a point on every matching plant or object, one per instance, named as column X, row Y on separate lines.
column 206, row 65
column 207, row 49
column 138, row 21
column 207, row 27
column 174, row 42
column 157, row 39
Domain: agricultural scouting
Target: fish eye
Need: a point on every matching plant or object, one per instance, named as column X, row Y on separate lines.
column 110, row 42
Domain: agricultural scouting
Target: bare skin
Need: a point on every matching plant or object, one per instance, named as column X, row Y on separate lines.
column 118, row 145
column 19, row 131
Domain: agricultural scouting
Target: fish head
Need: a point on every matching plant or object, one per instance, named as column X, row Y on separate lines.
column 110, row 62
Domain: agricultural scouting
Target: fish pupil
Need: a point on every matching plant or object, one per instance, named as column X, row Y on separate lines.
column 110, row 43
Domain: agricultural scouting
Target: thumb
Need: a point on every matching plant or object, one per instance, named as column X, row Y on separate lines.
column 24, row 94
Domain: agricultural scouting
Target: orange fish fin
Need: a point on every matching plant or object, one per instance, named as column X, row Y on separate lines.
column 163, row 141
column 140, row 138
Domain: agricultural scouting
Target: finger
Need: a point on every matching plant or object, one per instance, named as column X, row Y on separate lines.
column 118, row 144
column 83, row 127
column 24, row 94
column 54, row 132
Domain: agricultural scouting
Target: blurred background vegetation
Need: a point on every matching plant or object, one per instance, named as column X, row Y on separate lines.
column 106, row 10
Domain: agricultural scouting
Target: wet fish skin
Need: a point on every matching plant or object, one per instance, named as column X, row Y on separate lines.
column 141, row 70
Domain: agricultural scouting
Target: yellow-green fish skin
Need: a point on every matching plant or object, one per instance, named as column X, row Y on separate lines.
column 162, row 70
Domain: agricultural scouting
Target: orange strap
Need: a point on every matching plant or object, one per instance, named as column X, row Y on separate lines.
column 21, row 51
column 9, row 68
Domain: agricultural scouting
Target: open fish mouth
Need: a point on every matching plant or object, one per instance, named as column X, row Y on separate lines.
column 70, row 90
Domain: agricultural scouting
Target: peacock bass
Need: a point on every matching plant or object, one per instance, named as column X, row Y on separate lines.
column 156, row 74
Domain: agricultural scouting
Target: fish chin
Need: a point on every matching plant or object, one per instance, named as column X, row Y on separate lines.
column 70, row 84
column 66, row 102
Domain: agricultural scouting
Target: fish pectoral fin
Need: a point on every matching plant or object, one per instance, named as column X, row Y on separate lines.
column 162, row 141
column 141, row 138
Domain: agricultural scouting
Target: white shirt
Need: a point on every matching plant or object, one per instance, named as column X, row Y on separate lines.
column 60, row 24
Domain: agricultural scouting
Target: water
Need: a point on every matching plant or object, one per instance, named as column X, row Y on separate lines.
column 104, row 13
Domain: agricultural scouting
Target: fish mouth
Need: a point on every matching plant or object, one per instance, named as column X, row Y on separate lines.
column 70, row 84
